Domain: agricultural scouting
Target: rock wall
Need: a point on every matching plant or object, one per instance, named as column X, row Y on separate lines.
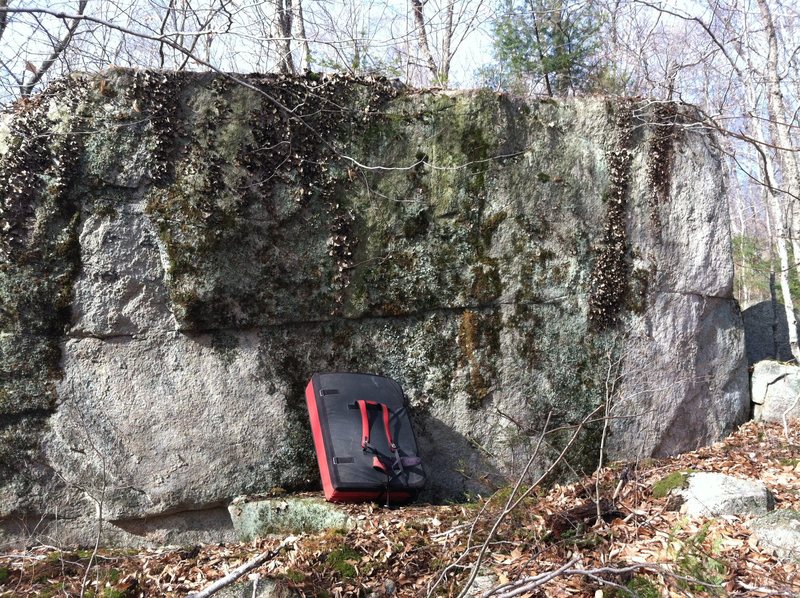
column 181, row 252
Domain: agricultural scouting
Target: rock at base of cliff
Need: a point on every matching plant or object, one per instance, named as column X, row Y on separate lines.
column 257, row 588
column 716, row 494
column 775, row 391
column 779, row 531
column 258, row 517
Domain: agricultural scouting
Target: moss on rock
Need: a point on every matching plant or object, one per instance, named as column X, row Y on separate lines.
column 469, row 245
column 261, row 517
column 39, row 215
column 673, row 481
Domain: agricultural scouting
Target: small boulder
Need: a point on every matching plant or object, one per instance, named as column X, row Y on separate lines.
column 715, row 494
column 483, row 583
column 775, row 391
column 257, row 588
column 255, row 517
column 779, row 531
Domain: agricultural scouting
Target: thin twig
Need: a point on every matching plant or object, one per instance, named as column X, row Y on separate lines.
column 515, row 589
column 526, row 584
column 510, row 506
column 239, row 571
column 785, row 415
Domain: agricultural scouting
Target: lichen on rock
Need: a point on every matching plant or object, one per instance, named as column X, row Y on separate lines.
column 39, row 163
column 175, row 275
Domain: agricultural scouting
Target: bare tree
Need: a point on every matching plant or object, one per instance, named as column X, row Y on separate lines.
column 284, row 17
column 306, row 57
column 286, row 36
column 440, row 29
column 422, row 36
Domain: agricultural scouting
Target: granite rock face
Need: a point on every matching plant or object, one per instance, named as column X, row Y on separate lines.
column 183, row 251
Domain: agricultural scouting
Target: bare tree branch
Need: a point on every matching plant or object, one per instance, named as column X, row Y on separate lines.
column 239, row 571
column 58, row 49
column 3, row 17
column 161, row 31
column 514, row 501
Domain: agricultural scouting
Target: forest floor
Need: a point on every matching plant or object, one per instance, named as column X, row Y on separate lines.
column 644, row 549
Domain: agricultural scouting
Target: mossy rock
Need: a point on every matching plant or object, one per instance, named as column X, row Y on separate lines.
column 260, row 588
column 673, row 481
column 257, row 518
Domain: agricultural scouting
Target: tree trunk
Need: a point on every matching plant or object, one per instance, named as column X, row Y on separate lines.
column 283, row 34
column 778, row 218
column 444, row 66
column 779, row 116
column 795, row 230
column 3, row 18
column 305, row 61
column 422, row 37
column 773, row 298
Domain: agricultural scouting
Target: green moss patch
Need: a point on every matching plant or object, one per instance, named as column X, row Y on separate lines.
column 665, row 485
column 343, row 561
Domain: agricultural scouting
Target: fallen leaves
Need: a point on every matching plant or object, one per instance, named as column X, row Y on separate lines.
column 413, row 549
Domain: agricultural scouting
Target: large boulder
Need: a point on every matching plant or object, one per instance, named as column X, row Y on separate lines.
column 183, row 251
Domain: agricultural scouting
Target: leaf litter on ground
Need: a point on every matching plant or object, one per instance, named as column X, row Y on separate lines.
column 422, row 550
